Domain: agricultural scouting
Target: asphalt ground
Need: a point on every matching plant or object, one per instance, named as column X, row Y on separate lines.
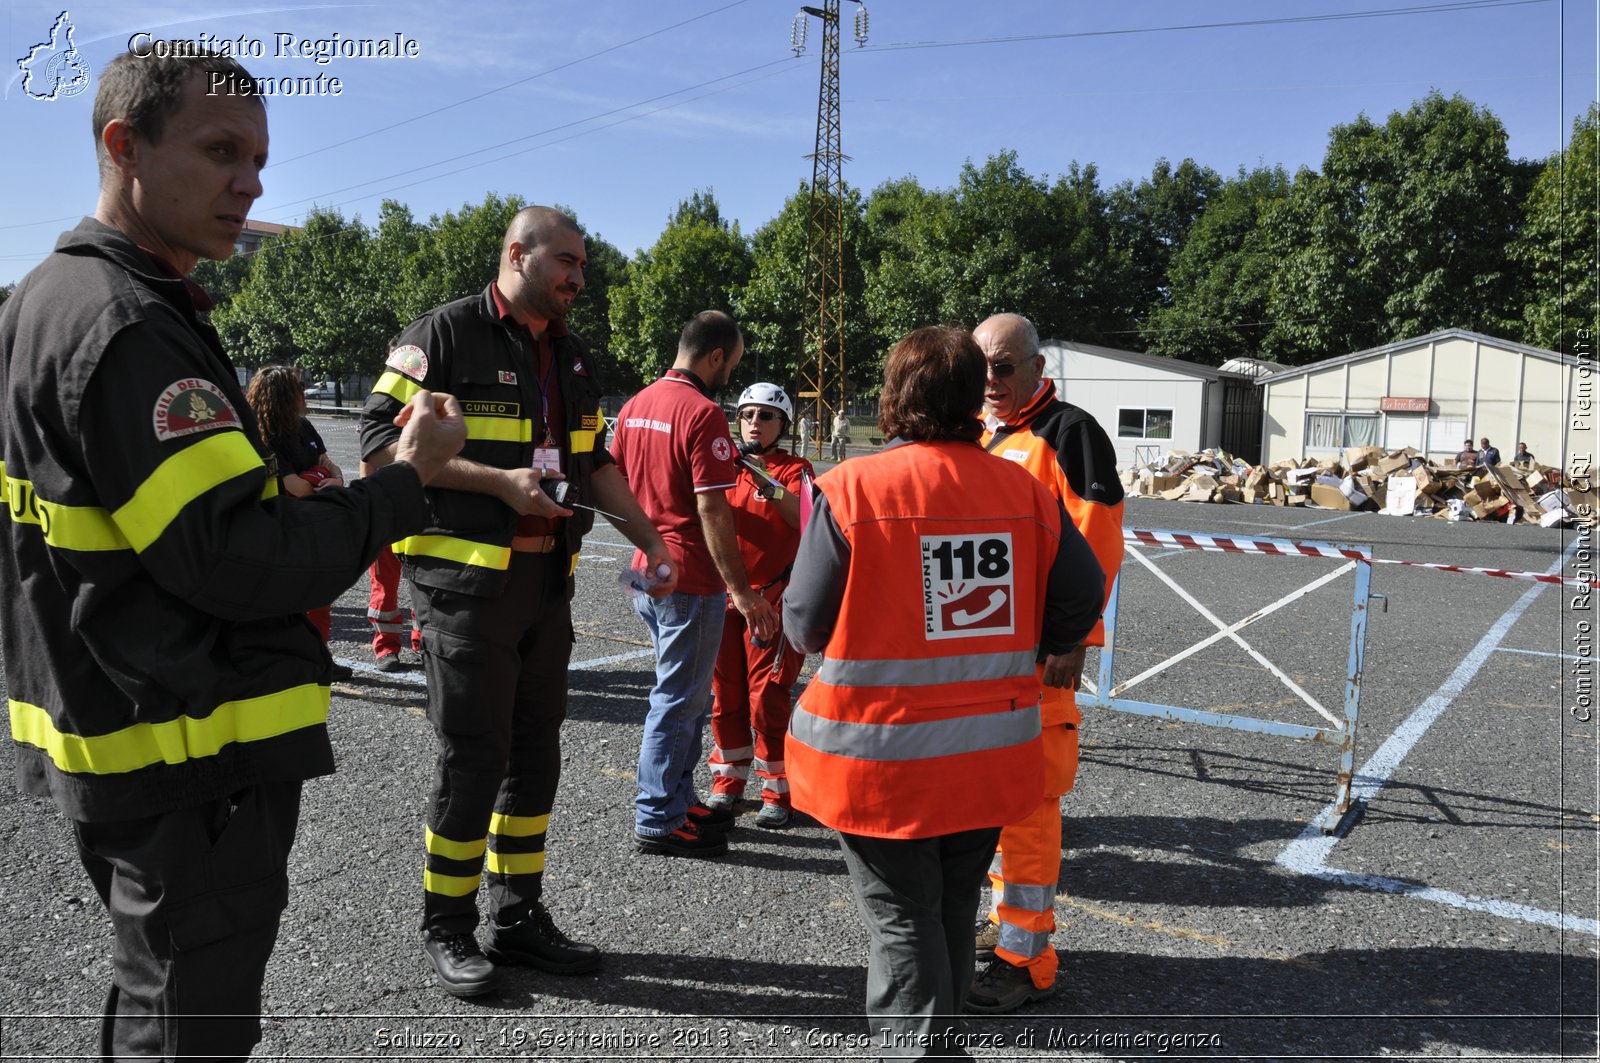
column 1204, row 912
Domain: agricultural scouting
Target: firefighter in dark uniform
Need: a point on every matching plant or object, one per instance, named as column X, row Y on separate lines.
column 493, row 581
column 166, row 688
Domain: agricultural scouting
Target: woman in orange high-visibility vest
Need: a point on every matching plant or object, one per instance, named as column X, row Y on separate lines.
column 933, row 577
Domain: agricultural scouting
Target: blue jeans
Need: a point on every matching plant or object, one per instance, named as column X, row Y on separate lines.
column 687, row 632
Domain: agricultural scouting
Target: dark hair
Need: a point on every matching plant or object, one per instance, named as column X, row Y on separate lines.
column 276, row 395
column 144, row 90
column 933, row 385
column 707, row 331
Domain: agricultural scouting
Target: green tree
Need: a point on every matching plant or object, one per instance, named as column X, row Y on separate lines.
column 699, row 262
column 312, row 299
column 223, row 278
column 774, row 309
column 1150, row 222
column 458, row 253
column 1558, row 245
column 1221, row 278
column 590, row 317
column 901, row 249
column 1406, row 230
column 1089, row 273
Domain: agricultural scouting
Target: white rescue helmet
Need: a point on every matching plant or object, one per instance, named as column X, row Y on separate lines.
column 767, row 395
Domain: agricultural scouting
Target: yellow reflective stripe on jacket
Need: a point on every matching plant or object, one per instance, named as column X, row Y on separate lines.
column 86, row 528
column 172, row 741
column 518, row 826
column 180, row 480
column 461, row 551
column 581, row 441
column 499, row 429
column 437, row 845
column 397, row 386
column 270, row 488
column 449, row 885
column 515, row 863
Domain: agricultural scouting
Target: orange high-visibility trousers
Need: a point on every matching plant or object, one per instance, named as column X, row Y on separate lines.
column 1027, row 866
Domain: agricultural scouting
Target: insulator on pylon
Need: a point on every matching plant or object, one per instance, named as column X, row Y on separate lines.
column 861, row 25
column 797, row 32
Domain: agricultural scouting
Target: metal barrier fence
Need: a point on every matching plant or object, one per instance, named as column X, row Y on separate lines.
column 1340, row 730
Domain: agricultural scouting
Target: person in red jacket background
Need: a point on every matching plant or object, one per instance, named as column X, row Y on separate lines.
column 752, row 685
column 944, row 587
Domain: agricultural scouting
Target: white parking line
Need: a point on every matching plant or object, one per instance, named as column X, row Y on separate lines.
column 1330, row 520
column 418, row 679
column 1542, row 653
column 1308, row 854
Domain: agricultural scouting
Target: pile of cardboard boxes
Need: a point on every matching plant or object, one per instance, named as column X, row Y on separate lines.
column 1398, row 482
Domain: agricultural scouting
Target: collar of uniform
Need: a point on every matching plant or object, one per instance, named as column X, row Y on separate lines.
column 198, row 295
column 682, row 374
column 1030, row 409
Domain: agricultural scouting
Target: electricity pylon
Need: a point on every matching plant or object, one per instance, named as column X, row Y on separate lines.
column 823, row 380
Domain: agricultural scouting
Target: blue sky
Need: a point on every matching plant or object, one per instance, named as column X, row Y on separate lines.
column 621, row 108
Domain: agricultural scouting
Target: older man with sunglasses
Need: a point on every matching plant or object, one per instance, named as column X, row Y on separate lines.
column 1067, row 450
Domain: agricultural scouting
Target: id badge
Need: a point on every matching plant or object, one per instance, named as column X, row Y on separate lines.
column 547, row 458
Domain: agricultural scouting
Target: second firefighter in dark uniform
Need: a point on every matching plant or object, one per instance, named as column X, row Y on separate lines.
column 493, row 580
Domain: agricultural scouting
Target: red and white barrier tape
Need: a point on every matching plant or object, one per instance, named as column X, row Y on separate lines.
column 1236, row 545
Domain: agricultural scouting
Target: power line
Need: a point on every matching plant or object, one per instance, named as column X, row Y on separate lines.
column 510, row 85
column 1423, row 9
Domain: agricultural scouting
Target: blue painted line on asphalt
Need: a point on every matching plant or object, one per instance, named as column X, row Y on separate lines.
column 1308, row 854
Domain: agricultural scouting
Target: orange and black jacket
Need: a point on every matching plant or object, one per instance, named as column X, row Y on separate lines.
column 1065, row 449
column 157, row 652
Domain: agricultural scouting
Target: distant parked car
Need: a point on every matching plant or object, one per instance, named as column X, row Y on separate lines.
column 323, row 389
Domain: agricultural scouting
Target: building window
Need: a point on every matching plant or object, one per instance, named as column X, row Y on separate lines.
column 1142, row 423
column 1330, row 431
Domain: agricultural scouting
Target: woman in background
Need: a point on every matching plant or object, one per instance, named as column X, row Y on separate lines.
column 279, row 401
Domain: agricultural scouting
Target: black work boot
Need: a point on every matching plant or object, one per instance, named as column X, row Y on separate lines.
column 463, row 971
column 537, row 943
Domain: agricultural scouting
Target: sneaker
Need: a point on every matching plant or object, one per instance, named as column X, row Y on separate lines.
column 687, row 840
column 712, row 820
column 772, row 816
column 988, row 937
column 537, row 943
column 392, row 662
column 1001, row 987
column 462, row 968
column 722, row 802
column 342, row 672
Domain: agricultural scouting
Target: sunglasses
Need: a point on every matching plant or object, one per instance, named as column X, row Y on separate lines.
column 1001, row 370
column 757, row 415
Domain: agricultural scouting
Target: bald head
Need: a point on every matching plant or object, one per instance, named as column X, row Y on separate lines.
column 541, row 265
column 1010, row 345
column 534, row 226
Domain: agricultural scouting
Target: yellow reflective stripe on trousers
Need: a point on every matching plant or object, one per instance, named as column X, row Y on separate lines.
column 172, row 741
column 499, row 429
column 518, row 826
column 181, row 479
column 916, row 741
column 926, row 672
column 85, row 528
column 452, row 850
column 397, row 386
column 515, row 863
column 449, row 885
column 461, row 551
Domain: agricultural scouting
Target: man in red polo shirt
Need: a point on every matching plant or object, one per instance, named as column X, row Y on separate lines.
column 672, row 444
